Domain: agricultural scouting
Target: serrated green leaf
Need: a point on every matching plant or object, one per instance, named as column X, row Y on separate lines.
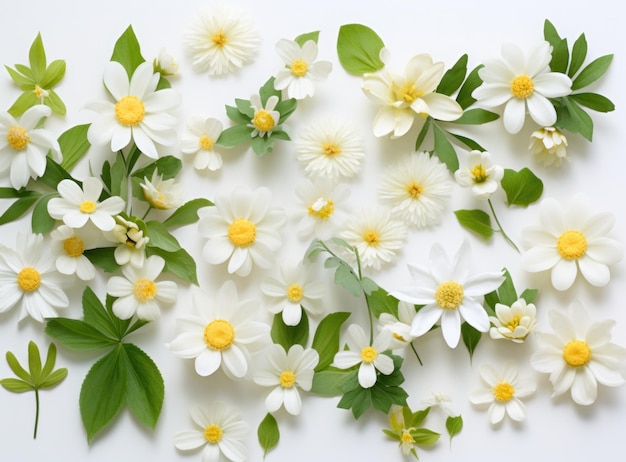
column 287, row 336
column 145, row 389
column 454, row 425
column 53, row 75
column 103, row 257
column 17, row 368
column 594, row 101
column 422, row 134
column 37, row 58
column 476, row 117
column 333, row 382
column 303, row 38
column 506, row 291
column 358, row 48
column 473, row 81
column 77, row 335
column 74, row 145
column 471, row 337
column 234, row 136
column 16, row 385
column 477, row 221
column 592, row 72
column 179, row 263
column 187, row 213
column 453, row 77
column 268, row 433
column 444, row 149
column 17, row 209
column 579, row 53
column 521, row 188
column 41, row 221
column 127, row 51
column 326, row 338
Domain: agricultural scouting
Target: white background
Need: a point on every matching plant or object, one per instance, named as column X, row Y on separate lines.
column 84, row 34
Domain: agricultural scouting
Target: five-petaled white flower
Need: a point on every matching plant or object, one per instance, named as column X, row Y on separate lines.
column 579, row 354
column 70, row 246
column 513, row 322
column 320, row 210
column 300, row 68
column 162, row 194
column 287, row 371
column 480, row 174
column 571, row 240
column 265, row 118
column 450, row 292
column 199, row 141
column 522, row 83
column 140, row 113
column 549, row 146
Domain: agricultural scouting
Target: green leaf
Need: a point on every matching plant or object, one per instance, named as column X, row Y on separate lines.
column 96, row 315
column 473, row 81
column 167, row 166
column 424, row 436
column 26, row 100
column 127, row 51
column 381, row 302
column 268, row 90
column 37, row 58
column 550, row 33
column 471, row 337
column 385, row 397
column 54, row 174
column 454, row 425
column 51, row 358
column 34, row 362
column 348, row 279
column 10, row 193
column 262, row 145
column 286, row 336
column 417, row 417
column 53, row 75
column 579, row 53
column 16, row 385
column 17, row 209
column 560, row 57
column 179, row 263
column 19, row 79
column 592, row 72
column 145, row 389
column 521, row 188
column 41, row 221
column 280, row 135
column 160, row 237
column 368, row 285
column 358, row 400
column 506, row 291
column 54, row 378
column 453, row 78
column 303, row 38
column 476, row 221
column 77, row 335
column 326, row 338
column 74, row 145
column 470, row 143
column 444, row 149
column 119, row 182
column 476, row 117
column 333, row 382
column 103, row 257
column 576, row 119
column 422, row 134
column 285, row 109
column 17, row 368
column 490, row 302
column 594, row 101
column 187, row 213
column 358, row 48
column 235, row 114
column 234, row 136
column 55, row 103
column 529, row 295
column 268, row 433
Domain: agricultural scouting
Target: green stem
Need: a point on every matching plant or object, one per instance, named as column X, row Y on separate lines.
column 36, row 413
column 147, row 212
column 367, row 303
column 416, row 354
column 506, row 237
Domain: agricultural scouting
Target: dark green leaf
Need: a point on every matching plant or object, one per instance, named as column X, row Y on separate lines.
column 473, row 81
column 17, row 209
column 594, row 101
column 476, row 117
column 506, row 291
column 187, row 213
column 560, row 57
column 471, row 337
column 490, row 302
column 592, row 72
column 234, row 136
column 10, row 193
column 74, row 145
column 303, row 38
column 333, row 382
column 144, row 385
column 77, row 334
column 358, row 48
column 358, row 400
column 96, row 315
column 444, row 149
column 326, row 338
column 103, row 257
column 268, row 433
column 550, row 33
column 579, row 53
column 454, row 425
column 41, row 221
column 575, row 119
column 476, row 221
column 422, row 134
column 179, row 263
column 453, row 78
column 54, row 174
column 167, row 166
column 470, row 143
column 384, row 397
column 127, row 51
column 521, row 188
column 286, row 336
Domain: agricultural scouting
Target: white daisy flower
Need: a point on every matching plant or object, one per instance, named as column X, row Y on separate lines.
column 450, row 292
column 220, row 333
column 265, row 118
column 199, row 141
column 220, row 40
column 162, row 194
column 320, row 210
column 77, row 206
column 480, row 174
column 402, row 97
column 139, row 293
column 370, row 357
column 417, row 188
column 132, row 248
column 23, row 146
column 221, row 434
column 330, row 148
column 376, row 235
column 522, row 83
column 571, row 240
column 140, row 113
column 165, row 64
column 70, row 245
column 549, row 146
column 399, row 327
column 287, row 371
column 502, row 391
column 578, row 354
column 292, row 291
column 513, row 322
column 300, row 68
column 242, row 228
column 29, row 279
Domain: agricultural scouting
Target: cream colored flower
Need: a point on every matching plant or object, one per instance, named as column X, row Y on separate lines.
column 70, row 245
column 199, row 141
column 132, row 248
column 480, row 174
column 513, row 322
column 549, row 146
column 162, row 194
column 300, row 68
column 265, row 118
column 165, row 64
column 321, row 207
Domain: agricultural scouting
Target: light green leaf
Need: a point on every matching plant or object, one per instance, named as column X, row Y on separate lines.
column 444, row 149
column 74, row 145
column 521, row 188
column 268, row 433
column 51, row 359
column 42, row 222
column 17, row 209
column 96, row 315
column 53, row 75
column 454, row 425
column 592, row 72
column 235, row 113
column 529, row 295
column 179, row 263
column 187, row 213
column 303, row 38
column 453, row 77
column 145, row 389
column 268, row 90
column 326, row 338
column 127, row 51
column 54, row 378
column 16, row 385
column 471, row 337
column 262, row 145
column 333, row 382
column 234, row 136
column 594, row 101
column 37, row 59
column 160, row 237
column 17, row 369
column 285, row 109
column 348, row 279
column 26, row 100
column 579, row 53
column 167, row 166
column 476, row 117
column 358, row 48
column 77, row 335
column 20, row 79
column 424, row 436
column 476, row 221
column 54, row 102
column 287, row 336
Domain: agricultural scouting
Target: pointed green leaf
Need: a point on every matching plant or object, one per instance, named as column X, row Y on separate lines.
column 476, row 221
column 326, row 338
column 333, row 382
column 521, row 188
column 41, row 221
column 17, row 368
column 144, row 385
column 127, row 51
column 103, row 257
column 268, row 433
column 25, row 101
column 53, row 75
column 444, row 149
column 10, row 193
column 74, row 145
column 187, row 213
column 235, row 113
column 19, row 79
column 77, row 334
column 51, row 359
column 476, row 117
column 34, row 362
column 37, row 59
column 579, row 53
column 471, row 337
column 418, row 417
column 574, row 118
column 385, row 397
column 54, row 174
column 303, row 38
column 280, row 135
column 17, row 209
column 593, row 101
column 54, row 102
column 473, row 81
column 285, row 109
column 54, row 378
column 358, row 400
column 234, row 136
column 422, row 134
column 268, row 90
column 245, row 109
column 506, row 291
column 379, row 302
column 453, row 77
column 287, row 336
column 592, row 72
column 179, row 263
column 424, row 436
column 471, row 144
column 16, row 385
column 358, row 48
column 454, row 425
column 560, row 57
column 160, row 237
column 529, row 295
column 96, row 315
column 550, row 33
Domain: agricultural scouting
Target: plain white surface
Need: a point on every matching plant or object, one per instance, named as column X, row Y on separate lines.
column 84, row 35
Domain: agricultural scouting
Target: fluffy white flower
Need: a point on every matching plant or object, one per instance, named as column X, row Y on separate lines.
column 370, row 357
column 162, row 194
column 300, row 68
column 502, row 391
column 399, row 327
column 28, row 278
column 265, row 118
column 522, row 83
column 69, row 248
column 220, row 40
column 220, row 332
column 77, row 206
column 417, row 188
column 513, row 322
column 402, row 97
column 242, row 228
column 571, row 240
column 139, row 293
column 549, row 146
column 480, row 174
column 132, row 248
column 450, row 292
column 320, row 210
column 287, row 371
column 578, row 354
column 199, row 141
column 139, row 114
column 221, row 433
column 23, row 146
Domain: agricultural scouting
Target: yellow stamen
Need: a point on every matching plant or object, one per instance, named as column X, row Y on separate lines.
column 129, row 111
column 331, row 149
column 87, row 207
column 369, row 354
column 73, row 246
column 28, row 279
column 295, row 293
column 503, row 391
column 408, row 93
column 213, row 433
column 577, row 353
column 522, row 86
column 206, row 143
column 263, row 121
column 219, row 39
column 571, row 245
column 449, row 295
column 287, row 379
column 414, row 190
column 371, row 238
column 145, row 289
column 299, row 67
column 322, row 208
column 242, row 232
column 479, row 174
column 18, row 138
column 513, row 323
column 219, row 334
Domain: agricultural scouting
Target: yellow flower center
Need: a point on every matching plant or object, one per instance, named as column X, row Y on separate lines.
column 408, row 93
column 449, row 295
column 406, row 437
column 299, row 67
column 145, row 289
column 331, row 149
column 513, row 323
column 206, row 143
column 129, row 111
column 242, row 232
column 322, row 208
column 295, row 292
column 219, row 39
column 219, row 334
column 369, row 354
column 213, row 433
column 73, row 246
column 28, row 279
column 39, row 92
column 503, row 391
column 414, row 190
column 263, row 121
column 287, row 379
column 479, row 174
column 17, row 137
column 576, row 353
column 371, row 238
column 571, row 245
column 522, row 86
column 87, row 207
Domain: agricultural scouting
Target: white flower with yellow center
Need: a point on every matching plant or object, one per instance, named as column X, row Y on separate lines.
column 402, row 97
column 77, row 206
column 287, row 371
column 450, row 292
column 480, row 174
column 132, row 248
column 320, row 208
column 522, row 83
column 513, row 322
column 330, row 148
column 417, row 188
column 162, row 194
column 399, row 327
column 138, row 291
column 242, row 228
column 370, row 356
column 221, row 40
column 300, row 68
column 292, row 291
column 265, row 118
column 139, row 114
column 29, row 279
column 199, row 141
column 578, row 354
column 502, row 392
column 221, row 434
column 571, row 240
column 70, row 245
column 549, row 146
column 221, row 332
column 376, row 235
column 24, row 146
